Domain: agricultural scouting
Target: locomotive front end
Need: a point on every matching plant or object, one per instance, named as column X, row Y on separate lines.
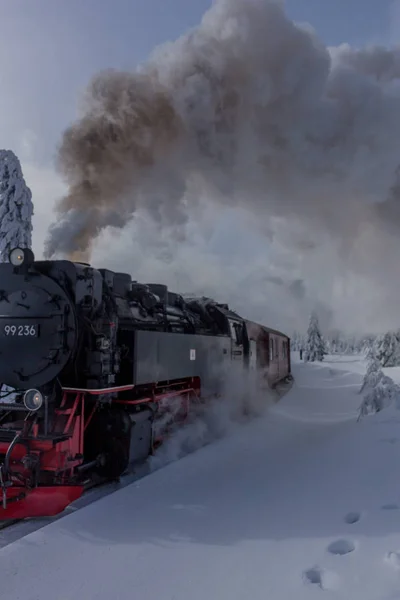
column 37, row 325
column 37, row 339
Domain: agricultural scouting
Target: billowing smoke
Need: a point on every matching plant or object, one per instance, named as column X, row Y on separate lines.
column 249, row 109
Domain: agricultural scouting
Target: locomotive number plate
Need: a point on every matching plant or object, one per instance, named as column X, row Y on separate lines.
column 22, row 330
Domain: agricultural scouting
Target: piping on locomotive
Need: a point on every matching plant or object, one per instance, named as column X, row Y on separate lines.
column 95, row 360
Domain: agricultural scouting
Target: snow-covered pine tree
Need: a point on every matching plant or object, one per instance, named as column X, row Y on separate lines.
column 370, row 352
column 16, row 210
column 16, row 207
column 386, row 349
column 296, row 341
column 332, row 343
column 366, row 346
column 379, row 390
column 315, row 347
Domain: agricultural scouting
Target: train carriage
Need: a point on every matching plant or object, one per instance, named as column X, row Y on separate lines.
column 272, row 351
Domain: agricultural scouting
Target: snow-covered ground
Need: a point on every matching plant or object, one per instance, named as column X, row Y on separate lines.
column 301, row 502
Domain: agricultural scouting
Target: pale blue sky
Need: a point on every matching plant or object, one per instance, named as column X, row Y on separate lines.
column 357, row 22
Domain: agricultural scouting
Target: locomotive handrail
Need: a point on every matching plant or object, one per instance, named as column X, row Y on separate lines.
column 17, row 407
column 99, row 391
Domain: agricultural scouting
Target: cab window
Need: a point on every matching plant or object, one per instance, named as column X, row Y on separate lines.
column 236, row 332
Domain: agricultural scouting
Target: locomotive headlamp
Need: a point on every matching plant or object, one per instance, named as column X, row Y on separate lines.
column 19, row 256
column 33, row 400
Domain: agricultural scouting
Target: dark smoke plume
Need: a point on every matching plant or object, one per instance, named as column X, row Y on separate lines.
column 248, row 109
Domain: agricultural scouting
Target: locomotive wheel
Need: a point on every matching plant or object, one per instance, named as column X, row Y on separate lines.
column 114, row 459
column 107, row 441
column 119, row 424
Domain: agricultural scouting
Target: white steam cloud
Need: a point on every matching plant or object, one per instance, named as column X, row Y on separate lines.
column 244, row 396
column 250, row 110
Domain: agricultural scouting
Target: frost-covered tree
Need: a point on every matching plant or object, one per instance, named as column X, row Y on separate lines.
column 366, row 346
column 297, row 341
column 338, row 342
column 16, row 207
column 332, row 343
column 379, row 390
column 315, row 346
column 386, row 349
column 16, row 210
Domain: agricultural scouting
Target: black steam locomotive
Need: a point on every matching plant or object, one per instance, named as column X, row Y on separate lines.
column 95, row 361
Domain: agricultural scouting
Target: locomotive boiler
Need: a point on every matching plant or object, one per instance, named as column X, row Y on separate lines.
column 92, row 364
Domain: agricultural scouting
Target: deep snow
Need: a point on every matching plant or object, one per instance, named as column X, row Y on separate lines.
column 298, row 502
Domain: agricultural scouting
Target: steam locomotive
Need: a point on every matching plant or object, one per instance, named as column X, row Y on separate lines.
column 91, row 363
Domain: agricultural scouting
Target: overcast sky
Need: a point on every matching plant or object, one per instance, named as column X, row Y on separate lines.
column 51, row 48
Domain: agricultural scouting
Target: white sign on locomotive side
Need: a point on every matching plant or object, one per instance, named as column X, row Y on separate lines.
column 192, row 354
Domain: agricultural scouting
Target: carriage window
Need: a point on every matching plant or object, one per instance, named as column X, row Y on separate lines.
column 239, row 333
column 271, row 349
column 236, row 332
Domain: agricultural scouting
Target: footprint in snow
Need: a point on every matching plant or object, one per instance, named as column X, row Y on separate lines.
column 341, row 547
column 326, row 580
column 352, row 517
column 391, row 506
